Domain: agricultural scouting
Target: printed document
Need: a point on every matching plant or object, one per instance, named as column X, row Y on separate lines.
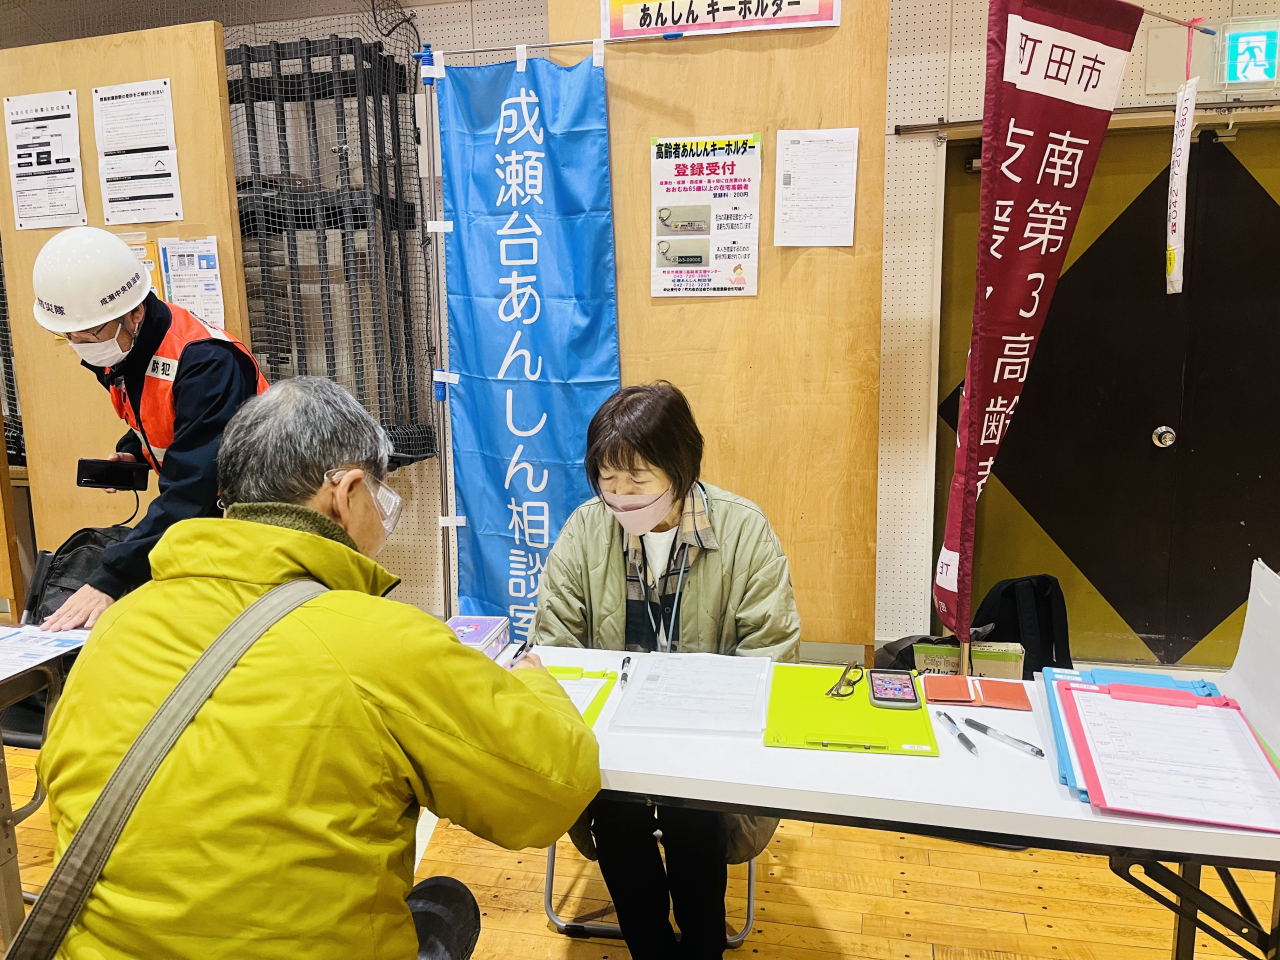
column 137, row 152
column 582, row 692
column 1200, row 764
column 192, row 277
column 43, row 133
column 22, row 648
column 816, row 186
column 696, row 692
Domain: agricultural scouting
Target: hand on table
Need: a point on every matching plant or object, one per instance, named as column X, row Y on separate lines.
column 81, row 609
column 530, row 660
column 127, row 458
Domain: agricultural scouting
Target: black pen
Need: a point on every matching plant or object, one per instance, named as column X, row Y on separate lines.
column 968, row 744
column 626, row 662
column 995, row 734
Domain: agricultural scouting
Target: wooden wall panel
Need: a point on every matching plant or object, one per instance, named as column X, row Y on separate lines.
column 66, row 414
column 785, row 385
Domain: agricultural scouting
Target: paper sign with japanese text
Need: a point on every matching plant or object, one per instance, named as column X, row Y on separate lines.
column 1053, row 72
column 655, row 18
column 705, row 230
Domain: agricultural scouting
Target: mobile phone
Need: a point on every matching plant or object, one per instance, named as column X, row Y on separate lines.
column 895, row 689
column 117, row 474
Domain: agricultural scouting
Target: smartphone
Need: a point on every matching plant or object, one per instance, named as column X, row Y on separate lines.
column 895, row 689
column 117, row 474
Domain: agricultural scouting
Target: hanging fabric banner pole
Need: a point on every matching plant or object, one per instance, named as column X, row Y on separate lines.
column 532, row 313
column 1053, row 71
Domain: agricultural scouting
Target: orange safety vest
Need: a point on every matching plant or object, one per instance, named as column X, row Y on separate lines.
column 156, row 429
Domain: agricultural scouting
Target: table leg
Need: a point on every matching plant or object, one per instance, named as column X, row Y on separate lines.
column 11, row 908
column 1184, row 928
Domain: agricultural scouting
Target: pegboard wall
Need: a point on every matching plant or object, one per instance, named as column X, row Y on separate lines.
column 937, row 61
column 915, row 170
column 466, row 24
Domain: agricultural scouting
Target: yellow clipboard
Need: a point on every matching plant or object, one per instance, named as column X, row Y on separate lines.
column 802, row 715
column 597, row 703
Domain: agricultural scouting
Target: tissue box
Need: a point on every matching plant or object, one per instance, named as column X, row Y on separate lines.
column 486, row 634
column 1003, row 661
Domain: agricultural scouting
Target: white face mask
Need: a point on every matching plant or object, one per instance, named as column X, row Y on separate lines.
column 104, row 353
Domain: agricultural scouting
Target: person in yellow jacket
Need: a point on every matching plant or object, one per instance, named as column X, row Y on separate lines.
column 281, row 824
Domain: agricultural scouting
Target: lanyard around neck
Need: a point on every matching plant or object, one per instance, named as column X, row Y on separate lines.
column 667, row 623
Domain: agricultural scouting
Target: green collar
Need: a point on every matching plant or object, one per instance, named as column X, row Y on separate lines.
column 294, row 517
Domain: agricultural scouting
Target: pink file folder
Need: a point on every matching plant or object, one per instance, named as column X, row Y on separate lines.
column 1068, row 691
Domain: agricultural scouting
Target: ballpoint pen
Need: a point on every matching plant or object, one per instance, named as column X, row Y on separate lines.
column 965, row 741
column 622, row 680
column 995, row 734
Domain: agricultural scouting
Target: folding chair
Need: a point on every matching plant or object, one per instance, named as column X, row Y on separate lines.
column 610, row 931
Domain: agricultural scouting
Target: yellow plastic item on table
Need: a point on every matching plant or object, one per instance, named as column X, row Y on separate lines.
column 802, row 715
column 577, row 673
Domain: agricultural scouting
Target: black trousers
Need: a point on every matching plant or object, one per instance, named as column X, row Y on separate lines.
column 644, row 893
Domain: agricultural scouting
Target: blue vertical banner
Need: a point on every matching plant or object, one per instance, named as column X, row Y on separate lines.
column 532, row 303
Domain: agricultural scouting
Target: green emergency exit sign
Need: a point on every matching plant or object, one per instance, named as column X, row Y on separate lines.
column 1251, row 54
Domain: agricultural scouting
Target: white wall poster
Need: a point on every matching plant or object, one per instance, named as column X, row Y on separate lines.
column 43, row 133
column 706, row 216
column 816, row 188
column 137, row 152
column 192, row 278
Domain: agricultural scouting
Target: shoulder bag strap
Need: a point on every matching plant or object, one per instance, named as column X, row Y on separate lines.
column 81, row 865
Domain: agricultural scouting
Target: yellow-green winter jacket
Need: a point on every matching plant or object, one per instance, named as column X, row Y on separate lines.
column 281, row 825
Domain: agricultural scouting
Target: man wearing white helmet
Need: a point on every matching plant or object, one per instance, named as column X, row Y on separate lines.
column 174, row 379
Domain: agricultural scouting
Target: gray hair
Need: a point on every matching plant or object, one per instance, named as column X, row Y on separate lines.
column 280, row 444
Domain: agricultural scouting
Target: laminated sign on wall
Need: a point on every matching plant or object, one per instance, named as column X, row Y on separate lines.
column 43, row 134
column 137, row 152
column 1052, row 77
column 706, row 216
column 653, row 18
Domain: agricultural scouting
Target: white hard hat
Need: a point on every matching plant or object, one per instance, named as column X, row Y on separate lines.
column 84, row 277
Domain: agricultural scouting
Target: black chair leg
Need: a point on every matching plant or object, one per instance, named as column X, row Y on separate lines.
column 447, row 918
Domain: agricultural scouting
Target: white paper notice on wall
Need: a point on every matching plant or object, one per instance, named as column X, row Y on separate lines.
column 137, row 152
column 43, row 134
column 815, row 193
column 192, row 277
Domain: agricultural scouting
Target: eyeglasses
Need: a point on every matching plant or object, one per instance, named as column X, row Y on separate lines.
column 847, row 683
column 386, row 501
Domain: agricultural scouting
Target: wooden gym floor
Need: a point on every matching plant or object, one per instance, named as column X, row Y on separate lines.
column 822, row 892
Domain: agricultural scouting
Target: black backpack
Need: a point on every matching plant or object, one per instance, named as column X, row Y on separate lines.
column 58, row 575
column 1030, row 611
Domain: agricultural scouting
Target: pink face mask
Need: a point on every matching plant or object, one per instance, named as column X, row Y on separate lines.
column 639, row 513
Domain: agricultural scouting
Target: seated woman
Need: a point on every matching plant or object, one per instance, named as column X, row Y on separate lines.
column 662, row 562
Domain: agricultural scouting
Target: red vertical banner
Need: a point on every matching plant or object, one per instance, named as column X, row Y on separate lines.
column 1053, row 72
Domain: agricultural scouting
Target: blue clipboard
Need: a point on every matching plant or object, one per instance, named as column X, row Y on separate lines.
column 1103, row 676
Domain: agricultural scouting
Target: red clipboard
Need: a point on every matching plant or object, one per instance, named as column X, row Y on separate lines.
column 1067, row 691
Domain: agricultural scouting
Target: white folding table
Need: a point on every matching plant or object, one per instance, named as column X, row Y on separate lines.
column 1001, row 796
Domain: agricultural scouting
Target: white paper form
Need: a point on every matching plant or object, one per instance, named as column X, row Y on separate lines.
column 22, row 648
column 582, row 692
column 137, row 152
column 43, row 133
column 1201, row 763
column 192, row 277
column 816, row 190
column 695, row 692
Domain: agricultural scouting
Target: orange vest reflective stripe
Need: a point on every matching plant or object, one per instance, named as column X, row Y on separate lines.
column 156, row 429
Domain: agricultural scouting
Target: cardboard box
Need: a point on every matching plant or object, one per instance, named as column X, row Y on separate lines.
column 1003, row 661
column 486, row 634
